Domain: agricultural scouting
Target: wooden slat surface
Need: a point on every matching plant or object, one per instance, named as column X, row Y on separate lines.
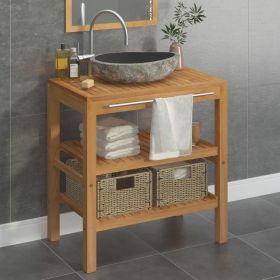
column 74, row 148
column 184, row 79
column 152, row 214
column 157, row 213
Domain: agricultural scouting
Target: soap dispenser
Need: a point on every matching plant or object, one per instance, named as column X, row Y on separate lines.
column 61, row 61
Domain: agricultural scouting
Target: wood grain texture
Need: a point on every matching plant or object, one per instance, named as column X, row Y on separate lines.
column 153, row 214
column 53, row 173
column 203, row 149
column 95, row 102
column 185, row 81
column 71, row 204
column 221, row 170
column 89, row 175
column 210, row 202
column 61, row 166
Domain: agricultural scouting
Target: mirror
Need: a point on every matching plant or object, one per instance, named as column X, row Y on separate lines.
column 136, row 13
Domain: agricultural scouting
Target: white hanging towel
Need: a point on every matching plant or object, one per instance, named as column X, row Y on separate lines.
column 171, row 129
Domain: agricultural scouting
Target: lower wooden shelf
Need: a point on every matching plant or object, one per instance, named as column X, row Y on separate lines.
column 147, row 215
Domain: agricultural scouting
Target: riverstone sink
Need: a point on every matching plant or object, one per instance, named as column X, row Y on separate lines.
column 134, row 67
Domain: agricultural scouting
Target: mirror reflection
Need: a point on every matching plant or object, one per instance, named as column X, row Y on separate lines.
column 130, row 10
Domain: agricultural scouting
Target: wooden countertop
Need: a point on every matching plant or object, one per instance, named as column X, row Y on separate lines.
column 181, row 80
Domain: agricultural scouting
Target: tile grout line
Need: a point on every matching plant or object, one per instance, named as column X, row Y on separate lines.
column 273, row 277
column 130, row 260
column 206, row 219
column 59, row 257
column 33, row 114
column 57, row 276
column 174, row 250
column 202, row 244
column 259, row 250
column 187, row 247
column 28, row 115
column 183, row 270
column 209, row 220
column 256, row 232
column 127, row 261
column 121, row 262
column 160, row 254
column 248, row 92
column 10, row 113
column 80, row 277
column 271, row 203
column 106, row 265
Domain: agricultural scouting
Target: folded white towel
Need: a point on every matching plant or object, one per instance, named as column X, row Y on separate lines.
column 117, row 145
column 181, row 173
column 112, row 129
column 171, row 130
column 125, row 137
column 126, row 152
column 102, row 151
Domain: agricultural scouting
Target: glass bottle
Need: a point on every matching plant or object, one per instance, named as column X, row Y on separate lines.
column 74, row 64
column 61, row 61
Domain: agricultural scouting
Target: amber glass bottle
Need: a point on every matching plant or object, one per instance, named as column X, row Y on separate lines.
column 61, row 62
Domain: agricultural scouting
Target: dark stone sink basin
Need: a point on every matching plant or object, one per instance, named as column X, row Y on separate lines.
column 134, row 67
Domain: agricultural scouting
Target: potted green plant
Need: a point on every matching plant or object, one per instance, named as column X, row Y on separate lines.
column 176, row 31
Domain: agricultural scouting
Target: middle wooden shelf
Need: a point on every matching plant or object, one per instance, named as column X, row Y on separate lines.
column 74, row 148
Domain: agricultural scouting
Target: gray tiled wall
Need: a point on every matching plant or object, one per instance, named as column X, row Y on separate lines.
column 4, row 112
column 264, row 88
column 239, row 41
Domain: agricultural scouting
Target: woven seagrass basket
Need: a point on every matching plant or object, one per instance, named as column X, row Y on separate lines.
column 169, row 190
column 117, row 193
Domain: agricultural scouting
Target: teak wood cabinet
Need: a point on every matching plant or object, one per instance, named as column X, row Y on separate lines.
column 107, row 98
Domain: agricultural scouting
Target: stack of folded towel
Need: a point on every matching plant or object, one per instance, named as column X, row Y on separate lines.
column 116, row 138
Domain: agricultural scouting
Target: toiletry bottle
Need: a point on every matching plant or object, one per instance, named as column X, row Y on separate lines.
column 74, row 64
column 61, row 62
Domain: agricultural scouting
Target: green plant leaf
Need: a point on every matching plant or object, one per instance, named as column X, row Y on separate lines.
column 184, row 17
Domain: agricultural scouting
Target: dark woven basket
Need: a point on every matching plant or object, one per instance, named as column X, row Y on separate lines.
column 168, row 190
column 117, row 193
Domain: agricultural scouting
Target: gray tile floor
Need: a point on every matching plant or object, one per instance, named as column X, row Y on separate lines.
column 180, row 248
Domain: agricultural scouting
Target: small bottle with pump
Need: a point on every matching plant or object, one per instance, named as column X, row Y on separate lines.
column 61, row 61
column 74, row 64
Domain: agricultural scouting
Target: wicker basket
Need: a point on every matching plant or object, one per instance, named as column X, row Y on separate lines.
column 117, row 193
column 168, row 190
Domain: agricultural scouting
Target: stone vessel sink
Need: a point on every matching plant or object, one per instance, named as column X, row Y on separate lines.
column 134, row 67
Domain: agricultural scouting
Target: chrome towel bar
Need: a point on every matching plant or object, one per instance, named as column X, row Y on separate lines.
column 151, row 100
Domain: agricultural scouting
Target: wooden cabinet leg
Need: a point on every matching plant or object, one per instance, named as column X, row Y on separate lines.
column 89, row 174
column 53, row 173
column 221, row 175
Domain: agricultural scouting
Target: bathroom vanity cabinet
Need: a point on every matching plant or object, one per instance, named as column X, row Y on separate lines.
column 105, row 98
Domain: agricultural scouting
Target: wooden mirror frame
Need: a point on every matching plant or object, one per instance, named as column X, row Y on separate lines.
column 69, row 27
